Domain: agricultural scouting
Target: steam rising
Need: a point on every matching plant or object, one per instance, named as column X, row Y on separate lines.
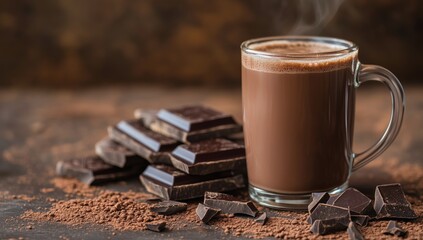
column 300, row 17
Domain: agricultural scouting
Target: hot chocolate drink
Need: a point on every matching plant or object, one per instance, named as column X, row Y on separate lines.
column 298, row 116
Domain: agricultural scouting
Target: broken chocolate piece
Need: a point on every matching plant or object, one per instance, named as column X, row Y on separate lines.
column 353, row 232
column 390, row 203
column 332, row 218
column 170, row 183
column 353, row 199
column 115, row 154
column 206, row 213
column 208, row 156
column 236, row 137
column 168, row 207
column 148, row 144
column 261, row 218
column 361, row 220
column 229, row 204
column 156, row 226
column 393, row 228
column 93, row 170
column 193, row 123
column 318, row 197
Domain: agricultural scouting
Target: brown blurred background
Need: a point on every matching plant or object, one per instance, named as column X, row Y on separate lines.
column 72, row 43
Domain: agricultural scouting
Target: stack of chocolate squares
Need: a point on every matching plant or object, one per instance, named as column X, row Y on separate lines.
column 180, row 153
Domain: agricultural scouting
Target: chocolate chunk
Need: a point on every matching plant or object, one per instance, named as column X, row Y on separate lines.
column 332, row 218
column 93, row 170
column 261, row 218
column 353, row 232
column 156, row 226
column 236, row 137
column 393, row 228
column 148, row 144
column 357, row 202
column 229, row 204
column 318, row 197
column 168, row 207
column 208, row 156
column 390, row 203
column 115, row 154
column 192, row 123
column 361, row 220
column 170, row 183
column 206, row 213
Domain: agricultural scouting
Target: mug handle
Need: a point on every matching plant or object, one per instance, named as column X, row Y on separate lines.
column 366, row 73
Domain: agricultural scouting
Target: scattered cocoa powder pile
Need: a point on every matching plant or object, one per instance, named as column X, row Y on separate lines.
column 8, row 196
column 72, row 186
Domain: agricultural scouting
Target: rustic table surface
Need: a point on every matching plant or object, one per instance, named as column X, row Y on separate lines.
column 40, row 127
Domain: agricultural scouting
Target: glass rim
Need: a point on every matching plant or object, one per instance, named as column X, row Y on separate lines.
column 349, row 47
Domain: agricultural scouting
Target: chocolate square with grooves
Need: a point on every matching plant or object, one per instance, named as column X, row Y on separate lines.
column 192, row 118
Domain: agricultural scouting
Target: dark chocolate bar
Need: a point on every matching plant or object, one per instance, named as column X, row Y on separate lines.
column 229, row 204
column 206, row 213
column 93, row 170
column 354, row 233
column 317, row 197
column 170, row 183
column 168, row 207
column 353, row 199
column 148, row 144
column 393, row 228
column 390, row 203
column 208, row 156
column 332, row 218
column 115, row 154
column 191, row 123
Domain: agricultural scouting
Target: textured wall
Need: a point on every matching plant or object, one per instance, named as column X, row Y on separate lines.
column 80, row 42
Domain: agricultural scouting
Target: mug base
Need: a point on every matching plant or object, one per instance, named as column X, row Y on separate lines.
column 286, row 201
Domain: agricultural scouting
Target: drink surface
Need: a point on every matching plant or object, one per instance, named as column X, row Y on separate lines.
column 297, row 119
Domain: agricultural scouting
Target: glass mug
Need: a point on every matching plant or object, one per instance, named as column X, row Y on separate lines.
column 298, row 97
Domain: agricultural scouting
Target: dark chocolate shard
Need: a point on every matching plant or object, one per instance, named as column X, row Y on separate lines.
column 93, row 170
column 309, row 220
column 148, row 144
column 170, row 183
column 115, row 154
column 361, row 220
column 206, row 213
column 317, row 197
column 237, row 137
column 168, row 207
column 191, row 123
column 393, row 228
column 390, row 203
column 353, row 232
column 156, row 226
column 229, row 204
column 191, row 118
column 208, row 156
column 261, row 218
column 332, row 218
column 353, row 199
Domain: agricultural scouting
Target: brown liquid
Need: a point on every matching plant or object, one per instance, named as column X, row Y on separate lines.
column 297, row 119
